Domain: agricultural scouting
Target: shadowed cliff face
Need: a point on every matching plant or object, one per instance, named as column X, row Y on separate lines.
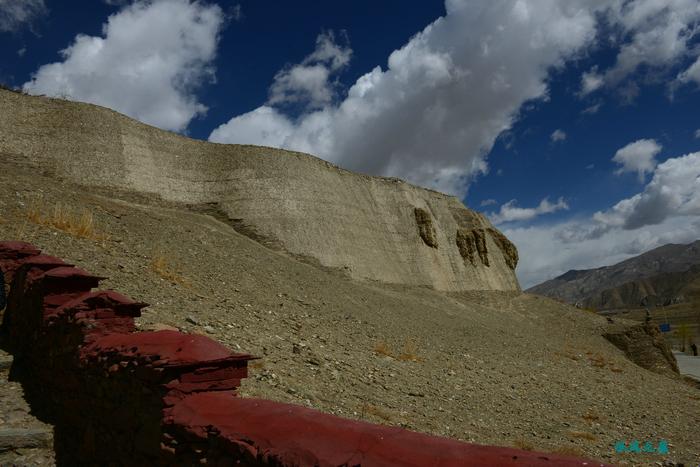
column 372, row 228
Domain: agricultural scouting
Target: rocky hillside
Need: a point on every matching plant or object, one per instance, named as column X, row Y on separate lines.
column 370, row 228
column 664, row 289
column 488, row 366
column 660, row 274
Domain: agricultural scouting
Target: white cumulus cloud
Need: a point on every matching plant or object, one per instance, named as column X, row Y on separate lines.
column 591, row 80
column 557, row 135
column 654, row 33
column 544, row 254
column 667, row 210
column 638, row 157
column 434, row 112
column 673, row 191
column 309, row 82
column 510, row 212
column 17, row 14
column 150, row 59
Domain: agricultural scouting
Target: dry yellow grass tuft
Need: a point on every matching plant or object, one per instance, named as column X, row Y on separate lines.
column 521, row 443
column 583, row 435
column 600, row 361
column 408, row 354
column 369, row 409
column 256, row 364
column 382, row 348
column 60, row 217
column 162, row 266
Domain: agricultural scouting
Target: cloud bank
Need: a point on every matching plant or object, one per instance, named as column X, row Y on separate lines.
column 147, row 64
column 434, row 113
column 655, row 34
column 667, row 210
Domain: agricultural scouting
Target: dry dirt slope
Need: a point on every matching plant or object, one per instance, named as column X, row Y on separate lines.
column 492, row 367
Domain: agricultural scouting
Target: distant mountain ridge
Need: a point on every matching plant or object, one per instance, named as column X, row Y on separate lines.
column 660, row 274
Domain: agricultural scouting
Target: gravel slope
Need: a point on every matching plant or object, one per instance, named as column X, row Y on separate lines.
column 488, row 367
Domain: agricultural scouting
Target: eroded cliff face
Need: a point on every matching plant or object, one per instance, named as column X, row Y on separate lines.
column 371, row 227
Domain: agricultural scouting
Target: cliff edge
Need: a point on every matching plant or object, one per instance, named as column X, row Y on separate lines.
column 373, row 228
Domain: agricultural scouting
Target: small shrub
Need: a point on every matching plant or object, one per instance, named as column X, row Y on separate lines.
column 601, row 361
column 684, row 334
column 410, row 353
column 376, row 411
column 256, row 364
column 521, row 443
column 62, row 218
column 382, row 348
column 590, row 417
column 583, row 435
column 161, row 266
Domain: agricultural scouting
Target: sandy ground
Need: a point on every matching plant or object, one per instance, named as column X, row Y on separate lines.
column 492, row 368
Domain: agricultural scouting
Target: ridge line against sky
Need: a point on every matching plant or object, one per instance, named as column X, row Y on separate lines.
column 511, row 104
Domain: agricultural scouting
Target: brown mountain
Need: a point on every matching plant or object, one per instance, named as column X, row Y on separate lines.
column 660, row 290
column 659, row 276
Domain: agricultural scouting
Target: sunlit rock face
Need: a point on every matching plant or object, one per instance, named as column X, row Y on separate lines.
column 370, row 228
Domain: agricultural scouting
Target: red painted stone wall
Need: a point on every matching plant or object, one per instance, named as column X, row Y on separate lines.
column 120, row 397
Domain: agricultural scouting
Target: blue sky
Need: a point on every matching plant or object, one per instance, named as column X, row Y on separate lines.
column 573, row 125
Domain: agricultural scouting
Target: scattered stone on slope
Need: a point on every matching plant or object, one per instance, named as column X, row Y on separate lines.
column 521, row 374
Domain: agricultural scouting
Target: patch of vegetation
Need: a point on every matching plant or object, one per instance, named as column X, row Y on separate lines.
column 523, row 444
column 601, row 361
column 409, row 352
column 590, row 416
column 60, row 217
column 256, row 364
column 162, row 266
column 583, row 435
column 684, row 334
column 369, row 409
column 382, row 348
